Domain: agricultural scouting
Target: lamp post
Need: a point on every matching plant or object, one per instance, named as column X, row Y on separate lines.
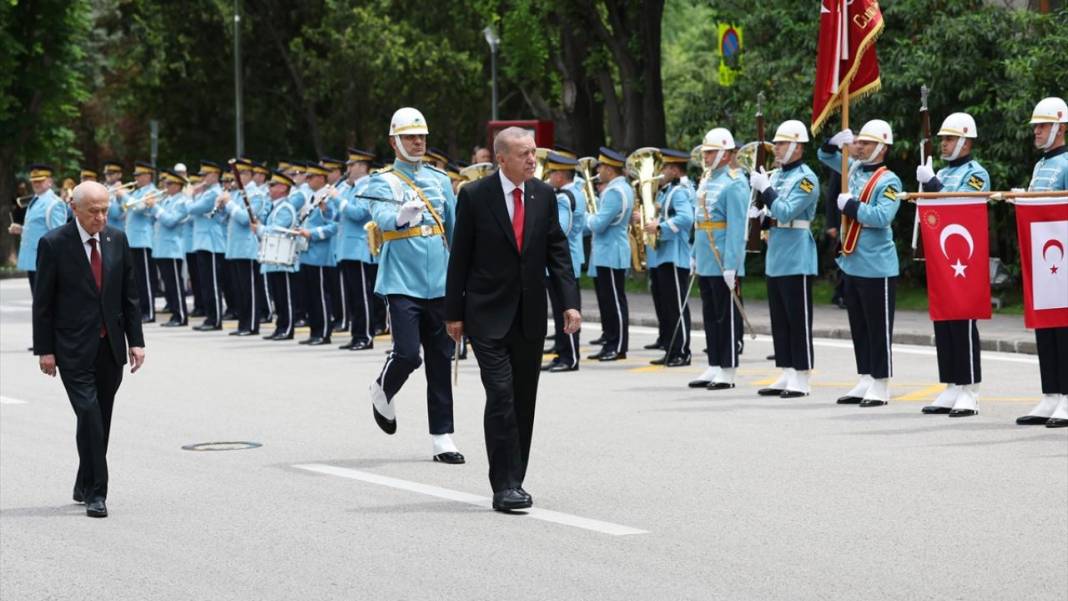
column 239, row 117
column 494, row 42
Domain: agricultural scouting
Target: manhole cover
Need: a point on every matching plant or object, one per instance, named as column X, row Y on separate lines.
column 221, row 446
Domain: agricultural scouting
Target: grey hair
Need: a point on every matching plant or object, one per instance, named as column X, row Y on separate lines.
column 85, row 190
column 503, row 140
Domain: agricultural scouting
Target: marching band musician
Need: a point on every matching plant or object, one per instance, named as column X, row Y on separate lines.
column 871, row 266
column 260, row 173
column 335, row 287
column 318, row 227
column 193, row 180
column 610, row 254
column 669, row 259
column 358, row 267
column 719, row 256
column 571, row 208
column 282, row 217
column 169, row 245
column 295, row 171
column 242, row 247
column 140, row 231
column 45, row 212
column 417, row 224
column 1048, row 121
column 113, row 179
column 790, row 196
column 209, row 242
column 956, row 341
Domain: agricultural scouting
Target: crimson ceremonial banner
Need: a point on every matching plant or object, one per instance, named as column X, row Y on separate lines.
column 957, row 248
column 1042, row 228
column 845, row 54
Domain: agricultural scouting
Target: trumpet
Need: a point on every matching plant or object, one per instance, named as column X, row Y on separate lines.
column 643, row 166
column 473, row 173
column 126, row 186
column 586, row 165
column 139, row 203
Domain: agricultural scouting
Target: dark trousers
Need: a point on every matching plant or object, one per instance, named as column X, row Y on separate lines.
column 567, row 345
column 509, row 367
column 663, row 330
column 243, row 278
column 671, row 289
column 142, row 261
column 32, row 277
column 300, row 301
column 209, row 266
column 870, row 303
column 318, row 299
column 194, row 283
column 226, row 282
column 1053, row 359
column 415, row 323
column 723, row 321
column 92, row 395
column 264, row 303
column 615, row 315
column 173, row 289
column 335, row 288
column 957, row 342
column 282, row 290
column 790, row 303
column 359, row 287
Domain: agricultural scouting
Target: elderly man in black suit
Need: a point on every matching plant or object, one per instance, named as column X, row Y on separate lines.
column 85, row 311
column 507, row 233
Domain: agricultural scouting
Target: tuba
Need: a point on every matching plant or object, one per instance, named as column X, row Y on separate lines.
column 747, row 156
column 473, row 173
column 541, row 157
column 643, row 166
column 586, row 166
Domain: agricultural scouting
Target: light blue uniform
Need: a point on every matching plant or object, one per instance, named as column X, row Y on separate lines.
column 116, row 218
column 353, row 214
column 875, row 255
column 170, row 215
column 414, row 267
column 140, row 226
column 610, row 246
column 209, row 233
column 323, row 228
column 241, row 240
column 44, row 213
column 791, row 246
column 282, row 217
column 1051, row 172
column 676, row 221
column 960, row 176
column 573, row 222
column 725, row 199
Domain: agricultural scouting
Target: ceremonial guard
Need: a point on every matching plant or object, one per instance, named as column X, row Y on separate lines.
column 1049, row 121
column 956, row 341
column 571, row 209
column 610, row 254
column 719, row 255
column 243, row 208
column 668, row 260
column 868, row 257
column 45, row 212
column 169, row 245
column 209, row 243
column 357, row 265
column 789, row 196
column 416, row 214
column 140, row 229
column 318, row 227
column 282, row 218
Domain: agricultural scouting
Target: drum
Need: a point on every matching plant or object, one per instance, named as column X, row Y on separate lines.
column 279, row 248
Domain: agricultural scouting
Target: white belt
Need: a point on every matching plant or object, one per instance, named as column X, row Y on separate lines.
column 797, row 224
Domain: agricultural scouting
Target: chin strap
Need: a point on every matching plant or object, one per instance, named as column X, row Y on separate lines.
column 872, row 159
column 1052, row 137
column 404, row 153
column 956, row 150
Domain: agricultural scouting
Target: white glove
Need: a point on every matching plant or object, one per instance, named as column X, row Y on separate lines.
column 693, row 263
column 754, row 212
column 842, row 138
column 410, row 213
column 843, row 198
column 925, row 172
column 759, row 180
column 729, row 277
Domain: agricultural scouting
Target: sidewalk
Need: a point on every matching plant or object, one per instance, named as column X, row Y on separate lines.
column 1005, row 333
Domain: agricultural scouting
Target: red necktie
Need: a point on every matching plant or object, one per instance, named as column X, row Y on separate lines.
column 98, row 274
column 517, row 218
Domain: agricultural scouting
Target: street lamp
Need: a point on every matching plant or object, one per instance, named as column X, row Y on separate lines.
column 494, row 42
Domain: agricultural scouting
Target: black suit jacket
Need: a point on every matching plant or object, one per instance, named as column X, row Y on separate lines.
column 489, row 280
column 67, row 307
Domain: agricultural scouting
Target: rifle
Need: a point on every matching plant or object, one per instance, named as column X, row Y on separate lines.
column 752, row 234
column 925, row 151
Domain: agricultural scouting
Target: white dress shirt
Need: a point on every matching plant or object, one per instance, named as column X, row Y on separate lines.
column 85, row 243
column 509, row 201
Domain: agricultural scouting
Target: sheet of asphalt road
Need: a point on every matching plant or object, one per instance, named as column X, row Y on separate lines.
column 738, row 496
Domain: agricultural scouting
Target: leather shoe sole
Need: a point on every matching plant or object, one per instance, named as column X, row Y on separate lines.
column 849, row 400
column 770, row 391
column 963, row 413
column 699, row 384
column 719, row 385
column 872, row 403
column 792, row 394
column 1032, row 420
column 936, row 410
column 451, row 457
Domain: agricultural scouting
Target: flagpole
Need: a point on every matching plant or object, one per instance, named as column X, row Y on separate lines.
column 845, row 158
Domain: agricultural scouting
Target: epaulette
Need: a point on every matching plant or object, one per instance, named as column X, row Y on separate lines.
column 385, row 169
column 433, row 168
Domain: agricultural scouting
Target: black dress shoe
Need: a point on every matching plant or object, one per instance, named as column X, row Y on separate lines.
column 78, row 495
column 272, row 335
column 172, row 324
column 678, row 361
column 656, row 346
column 347, row 346
column 594, row 357
column 240, row 333
column 792, row 394
column 282, row 337
column 1057, row 422
column 699, row 383
column 719, row 385
column 248, row 333
column 207, row 327
column 389, row 426
column 936, row 410
column 523, row 492
column 964, row 412
column 549, row 365
column 771, row 391
column 770, row 357
column 449, row 457
column 147, row 320
column 510, row 500
column 362, row 345
column 660, row 361
column 612, row 356
column 872, row 403
column 559, row 367
column 598, row 340
column 849, row 400
column 96, row 509
column 319, row 341
column 309, row 340
column 1031, row 420
column 300, row 323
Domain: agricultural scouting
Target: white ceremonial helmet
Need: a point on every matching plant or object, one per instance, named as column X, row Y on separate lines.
column 407, row 121
column 720, row 140
column 180, row 168
column 877, row 131
column 791, row 131
column 961, row 125
column 1050, row 110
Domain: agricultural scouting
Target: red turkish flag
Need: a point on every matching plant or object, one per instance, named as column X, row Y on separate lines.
column 845, row 54
column 1042, row 228
column 957, row 252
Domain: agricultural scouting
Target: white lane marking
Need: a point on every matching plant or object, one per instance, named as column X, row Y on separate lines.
column 6, row 400
column 463, row 497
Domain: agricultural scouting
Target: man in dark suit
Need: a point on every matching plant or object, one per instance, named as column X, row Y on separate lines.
column 507, row 233
column 84, row 312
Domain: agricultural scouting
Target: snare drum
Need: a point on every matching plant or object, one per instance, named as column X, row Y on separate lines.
column 278, row 248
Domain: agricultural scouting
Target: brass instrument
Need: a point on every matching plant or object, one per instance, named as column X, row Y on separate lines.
column 129, row 205
column 586, row 166
column 643, row 166
column 20, row 201
column 126, row 186
column 541, row 157
column 747, row 154
column 473, row 173
column 375, row 238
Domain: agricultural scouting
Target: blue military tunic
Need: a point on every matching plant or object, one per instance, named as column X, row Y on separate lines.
column 353, row 214
column 676, row 221
column 794, row 194
column 140, row 226
column 241, row 240
column 281, row 217
column 414, row 266
column 610, row 246
column 721, row 211
column 116, row 217
column 322, row 225
column 1051, row 171
column 209, row 232
column 170, row 216
column 573, row 222
column 44, row 213
column 960, row 175
column 875, row 255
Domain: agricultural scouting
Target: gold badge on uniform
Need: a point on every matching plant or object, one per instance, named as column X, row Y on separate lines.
column 806, row 185
column 890, row 192
column 976, row 182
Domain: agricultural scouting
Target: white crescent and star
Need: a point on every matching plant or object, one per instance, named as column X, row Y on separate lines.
column 956, row 229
